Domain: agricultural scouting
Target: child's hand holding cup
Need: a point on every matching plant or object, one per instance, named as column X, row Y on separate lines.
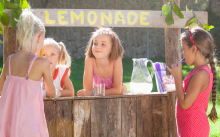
column 169, row 84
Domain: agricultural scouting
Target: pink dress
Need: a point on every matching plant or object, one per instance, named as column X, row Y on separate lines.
column 21, row 107
column 97, row 79
column 193, row 122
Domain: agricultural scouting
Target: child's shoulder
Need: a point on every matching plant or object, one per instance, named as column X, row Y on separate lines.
column 201, row 74
column 89, row 60
column 118, row 60
column 42, row 61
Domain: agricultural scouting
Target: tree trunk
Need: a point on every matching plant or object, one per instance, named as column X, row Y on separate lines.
column 10, row 45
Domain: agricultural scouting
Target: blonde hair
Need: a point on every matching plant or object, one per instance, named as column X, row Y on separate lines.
column 65, row 58
column 26, row 24
column 117, row 49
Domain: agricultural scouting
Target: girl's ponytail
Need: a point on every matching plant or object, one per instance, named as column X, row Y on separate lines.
column 213, row 114
column 65, row 58
column 26, row 23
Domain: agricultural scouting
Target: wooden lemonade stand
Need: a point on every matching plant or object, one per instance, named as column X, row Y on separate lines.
column 113, row 116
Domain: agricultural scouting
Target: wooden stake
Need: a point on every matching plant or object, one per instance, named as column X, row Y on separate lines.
column 10, row 46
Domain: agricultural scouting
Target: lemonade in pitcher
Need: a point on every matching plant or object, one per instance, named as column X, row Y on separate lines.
column 141, row 79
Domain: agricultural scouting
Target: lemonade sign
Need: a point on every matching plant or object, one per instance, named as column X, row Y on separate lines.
column 68, row 17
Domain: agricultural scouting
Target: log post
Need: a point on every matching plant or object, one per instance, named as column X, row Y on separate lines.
column 172, row 56
column 10, row 44
column 172, row 44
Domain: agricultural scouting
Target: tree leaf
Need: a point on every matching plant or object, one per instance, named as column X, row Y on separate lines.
column 1, row 41
column 196, row 1
column 25, row 4
column 18, row 10
column 191, row 21
column 2, row 7
column 187, row 10
column 1, row 30
column 177, row 11
column 17, row 1
column 166, row 9
column 14, row 15
column 5, row 19
column 169, row 18
column 11, row 5
column 207, row 27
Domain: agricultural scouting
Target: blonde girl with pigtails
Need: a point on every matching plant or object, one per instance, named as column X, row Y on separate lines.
column 60, row 63
column 21, row 104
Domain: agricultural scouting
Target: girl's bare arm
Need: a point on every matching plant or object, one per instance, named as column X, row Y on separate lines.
column 48, row 80
column 69, row 90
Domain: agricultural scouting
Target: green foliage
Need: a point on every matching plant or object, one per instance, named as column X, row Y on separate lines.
column 191, row 21
column 187, row 10
column 177, row 11
column 16, row 6
column 169, row 18
column 168, row 9
column 2, row 7
column 196, row 20
column 1, row 41
column 4, row 19
column 207, row 27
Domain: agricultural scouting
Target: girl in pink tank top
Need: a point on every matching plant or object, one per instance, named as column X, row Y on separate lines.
column 193, row 93
column 103, row 63
column 21, row 104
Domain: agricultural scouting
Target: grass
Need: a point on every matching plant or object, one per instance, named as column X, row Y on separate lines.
column 77, row 70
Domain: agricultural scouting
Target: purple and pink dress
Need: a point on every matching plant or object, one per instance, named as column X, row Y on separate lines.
column 21, row 107
column 193, row 122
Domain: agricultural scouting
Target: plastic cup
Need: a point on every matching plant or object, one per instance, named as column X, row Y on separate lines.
column 99, row 90
column 169, row 83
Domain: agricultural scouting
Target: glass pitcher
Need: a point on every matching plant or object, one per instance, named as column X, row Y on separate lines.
column 141, row 79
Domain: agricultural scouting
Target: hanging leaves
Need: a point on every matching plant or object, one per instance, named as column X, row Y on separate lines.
column 187, row 10
column 16, row 6
column 5, row 19
column 2, row 7
column 24, row 4
column 194, row 22
column 207, row 27
column 11, row 5
column 177, row 11
column 169, row 18
column 1, row 30
column 168, row 9
column 14, row 16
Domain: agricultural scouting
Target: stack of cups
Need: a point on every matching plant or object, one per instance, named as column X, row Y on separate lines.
column 160, row 72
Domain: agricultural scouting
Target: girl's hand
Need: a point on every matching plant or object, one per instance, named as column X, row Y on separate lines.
column 166, row 81
column 176, row 70
column 123, row 89
column 83, row 92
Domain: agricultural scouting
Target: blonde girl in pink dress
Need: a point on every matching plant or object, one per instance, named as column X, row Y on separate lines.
column 103, row 63
column 193, row 93
column 21, row 105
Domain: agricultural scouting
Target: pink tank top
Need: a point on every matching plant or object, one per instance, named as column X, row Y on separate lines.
column 97, row 79
column 193, row 122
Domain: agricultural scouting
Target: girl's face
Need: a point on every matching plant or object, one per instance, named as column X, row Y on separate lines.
column 188, row 54
column 52, row 53
column 102, row 46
